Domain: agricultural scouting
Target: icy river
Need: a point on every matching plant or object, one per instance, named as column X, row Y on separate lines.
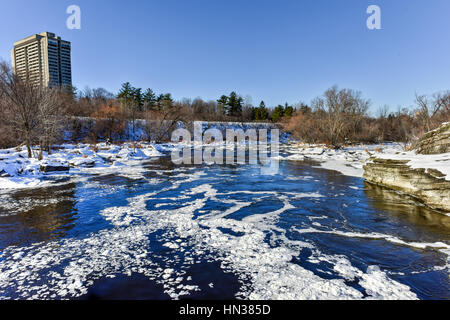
column 160, row 231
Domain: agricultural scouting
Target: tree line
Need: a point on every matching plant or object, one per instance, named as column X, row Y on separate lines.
column 33, row 115
column 341, row 116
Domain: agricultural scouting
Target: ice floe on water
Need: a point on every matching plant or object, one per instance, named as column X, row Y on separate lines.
column 373, row 235
column 193, row 232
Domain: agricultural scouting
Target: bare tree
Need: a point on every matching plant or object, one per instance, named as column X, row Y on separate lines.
column 109, row 122
column 442, row 102
column 159, row 125
column 22, row 98
column 430, row 109
column 383, row 113
column 343, row 110
column 8, row 136
column 33, row 110
column 51, row 119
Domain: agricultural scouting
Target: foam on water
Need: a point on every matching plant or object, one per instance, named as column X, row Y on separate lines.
column 264, row 271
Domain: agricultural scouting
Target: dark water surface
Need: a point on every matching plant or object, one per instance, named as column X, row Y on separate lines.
column 220, row 232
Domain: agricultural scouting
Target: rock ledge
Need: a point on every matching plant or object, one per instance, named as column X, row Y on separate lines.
column 427, row 185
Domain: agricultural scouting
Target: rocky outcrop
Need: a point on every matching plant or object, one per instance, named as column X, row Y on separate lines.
column 434, row 142
column 427, row 185
column 53, row 168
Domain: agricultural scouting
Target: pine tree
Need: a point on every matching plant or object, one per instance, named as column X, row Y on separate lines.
column 234, row 106
column 129, row 97
column 222, row 105
column 304, row 108
column 278, row 113
column 71, row 90
column 149, row 99
column 166, row 101
column 126, row 94
column 168, row 97
column 138, row 100
column 261, row 113
column 288, row 110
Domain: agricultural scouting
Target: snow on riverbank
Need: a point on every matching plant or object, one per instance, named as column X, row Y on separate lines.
column 18, row 171
column 440, row 162
column 350, row 160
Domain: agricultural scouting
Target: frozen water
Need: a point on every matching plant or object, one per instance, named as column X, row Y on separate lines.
column 200, row 231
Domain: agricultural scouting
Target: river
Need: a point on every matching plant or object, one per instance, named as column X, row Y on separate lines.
column 160, row 231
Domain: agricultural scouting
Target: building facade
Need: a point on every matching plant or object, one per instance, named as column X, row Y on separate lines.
column 44, row 58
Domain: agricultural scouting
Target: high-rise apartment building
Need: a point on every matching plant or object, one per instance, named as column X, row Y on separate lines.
column 44, row 58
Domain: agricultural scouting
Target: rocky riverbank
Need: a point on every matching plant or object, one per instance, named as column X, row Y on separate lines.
column 423, row 173
column 434, row 142
column 427, row 185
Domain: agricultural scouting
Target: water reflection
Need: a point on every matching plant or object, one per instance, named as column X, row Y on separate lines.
column 404, row 207
column 37, row 215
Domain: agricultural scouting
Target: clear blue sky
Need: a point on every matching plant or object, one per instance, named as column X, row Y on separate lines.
column 272, row 50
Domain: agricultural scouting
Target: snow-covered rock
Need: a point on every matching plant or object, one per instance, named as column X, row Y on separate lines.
column 434, row 142
column 426, row 184
column 131, row 153
column 82, row 162
column 17, row 171
column 423, row 173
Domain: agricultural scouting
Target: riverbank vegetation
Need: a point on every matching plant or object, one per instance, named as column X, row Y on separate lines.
column 341, row 116
column 33, row 115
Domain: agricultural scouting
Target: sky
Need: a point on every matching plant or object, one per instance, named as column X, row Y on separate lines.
column 273, row 50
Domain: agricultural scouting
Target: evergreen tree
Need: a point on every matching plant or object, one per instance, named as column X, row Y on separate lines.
column 130, row 98
column 222, row 105
column 253, row 111
column 168, row 97
column 126, row 94
column 138, row 100
column 159, row 101
column 304, row 108
column 71, row 90
column 223, row 100
column 234, row 106
column 230, row 105
column 278, row 113
column 261, row 113
column 288, row 110
column 166, row 101
column 149, row 99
